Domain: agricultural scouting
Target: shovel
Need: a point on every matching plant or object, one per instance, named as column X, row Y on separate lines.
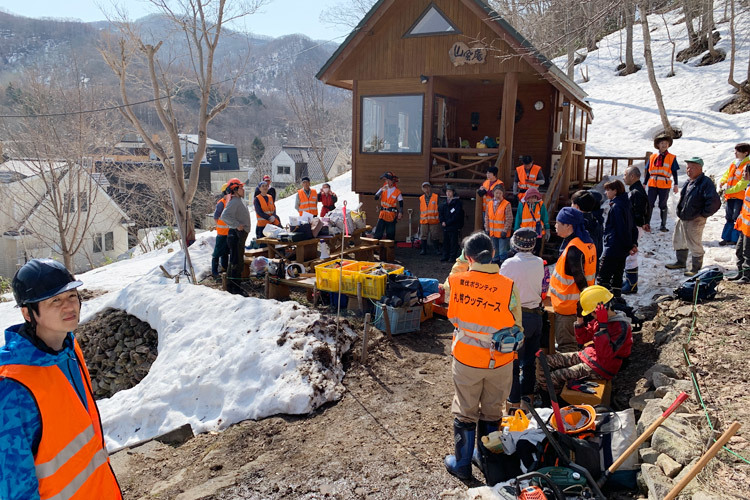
column 410, row 239
column 643, row 437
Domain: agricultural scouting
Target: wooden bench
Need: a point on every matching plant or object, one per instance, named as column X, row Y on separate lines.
column 601, row 396
column 386, row 248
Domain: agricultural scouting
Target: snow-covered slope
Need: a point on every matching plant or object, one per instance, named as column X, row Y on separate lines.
column 626, row 119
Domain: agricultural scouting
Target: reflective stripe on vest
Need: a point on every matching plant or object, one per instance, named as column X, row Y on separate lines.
column 742, row 224
column 563, row 290
column 530, row 220
column 660, row 177
column 308, row 204
column 479, row 306
column 525, row 182
column 268, row 207
column 388, row 204
column 71, row 461
column 428, row 212
column 735, row 176
column 496, row 219
column 221, row 227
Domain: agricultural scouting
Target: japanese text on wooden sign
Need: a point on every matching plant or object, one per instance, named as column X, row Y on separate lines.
column 461, row 54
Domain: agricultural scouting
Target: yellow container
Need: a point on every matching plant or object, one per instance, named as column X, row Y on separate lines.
column 518, row 422
column 373, row 286
column 327, row 275
column 352, row 274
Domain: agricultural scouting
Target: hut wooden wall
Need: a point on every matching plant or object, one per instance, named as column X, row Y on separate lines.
column 385, row 54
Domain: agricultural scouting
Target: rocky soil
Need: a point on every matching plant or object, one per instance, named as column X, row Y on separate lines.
column 387, row 436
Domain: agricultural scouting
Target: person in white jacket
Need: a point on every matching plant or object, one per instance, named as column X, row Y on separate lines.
column 527, row 272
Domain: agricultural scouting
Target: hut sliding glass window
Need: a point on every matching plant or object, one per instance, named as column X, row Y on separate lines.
column 392, row 124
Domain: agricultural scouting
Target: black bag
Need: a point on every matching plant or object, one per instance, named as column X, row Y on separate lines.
column 705, row 281
column 302, row 232
column 403, row 291
column 580, row 451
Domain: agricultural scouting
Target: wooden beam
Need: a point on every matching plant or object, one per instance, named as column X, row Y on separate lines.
column 507, row 125
column 427, row 124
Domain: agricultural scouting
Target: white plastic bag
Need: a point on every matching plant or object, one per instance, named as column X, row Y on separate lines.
column 271, row 231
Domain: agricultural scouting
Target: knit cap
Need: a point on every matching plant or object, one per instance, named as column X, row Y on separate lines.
column 523, row 240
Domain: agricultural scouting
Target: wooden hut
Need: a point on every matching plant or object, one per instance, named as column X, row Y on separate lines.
column 427, row 75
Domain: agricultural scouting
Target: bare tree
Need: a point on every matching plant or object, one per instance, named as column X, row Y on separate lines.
column 629, row 11
column 346, row 13
column 674, row 46
column 134, row 56
column 57, row 202
column 650, row 67
column 743, row 87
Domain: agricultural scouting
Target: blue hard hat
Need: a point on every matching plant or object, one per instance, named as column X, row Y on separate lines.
column 40, row 279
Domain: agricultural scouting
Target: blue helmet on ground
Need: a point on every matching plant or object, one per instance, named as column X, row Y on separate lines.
column 41, row 279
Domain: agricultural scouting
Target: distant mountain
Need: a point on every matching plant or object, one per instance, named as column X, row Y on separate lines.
column 26, row 42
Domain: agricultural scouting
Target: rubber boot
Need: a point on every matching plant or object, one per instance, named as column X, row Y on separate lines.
column 484, row 428
column 682, row 256
column 745, row 279
column 423, row 248
column 436, row 247
column 663, row 227
column 695, row 266
column 631, row 281
column 215, row 267
column 463, row 436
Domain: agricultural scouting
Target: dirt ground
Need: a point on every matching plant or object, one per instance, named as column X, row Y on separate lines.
column 387, row 436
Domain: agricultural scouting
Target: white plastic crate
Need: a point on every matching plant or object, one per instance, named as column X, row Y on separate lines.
column 403, row 319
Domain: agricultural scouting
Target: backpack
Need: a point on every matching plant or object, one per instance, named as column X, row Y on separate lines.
column 403, row 291
column 705, row 282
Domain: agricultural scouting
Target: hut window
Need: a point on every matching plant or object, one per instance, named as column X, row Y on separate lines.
column 392, row 124
column 432, row 22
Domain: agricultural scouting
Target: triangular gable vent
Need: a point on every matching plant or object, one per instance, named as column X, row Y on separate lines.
column 432, row 22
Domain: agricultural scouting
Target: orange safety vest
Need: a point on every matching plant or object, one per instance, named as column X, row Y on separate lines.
column 660, row 177
column 479, row 306
column 734, row 176
column 72, row 460
column 562, row 287
column 530, row 220
column 428, row 212
column 221, row 227
column 489, row 186
column 308, row 204
column 389, row 204
column 268, row 208
column 525, row 182
column 496, row 219
column 742, row 224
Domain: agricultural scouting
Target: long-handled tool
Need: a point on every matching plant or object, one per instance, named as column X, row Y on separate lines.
column 561, row 453
column 552, row 394
column 411, row 235
column 712, row 451
column 643, row 437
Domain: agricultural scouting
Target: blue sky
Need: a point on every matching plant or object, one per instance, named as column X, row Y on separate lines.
column 279, row 17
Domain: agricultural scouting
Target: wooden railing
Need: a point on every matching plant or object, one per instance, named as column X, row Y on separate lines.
column 461, row 164
column 610, row 165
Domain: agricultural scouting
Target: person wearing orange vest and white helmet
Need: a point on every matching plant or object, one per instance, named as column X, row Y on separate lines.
column 498, row 222
column 221, row 250
column 661, row 169
column 575, row 270
column 532, row 214
column 527, row 175
column 307, row 199
column 429, row 219
column 742, row 225
column 485, row 310
column 51, row 439
column 735, row 191
column 391, row 207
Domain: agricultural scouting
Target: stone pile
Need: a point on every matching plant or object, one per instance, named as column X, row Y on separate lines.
column 119, row 350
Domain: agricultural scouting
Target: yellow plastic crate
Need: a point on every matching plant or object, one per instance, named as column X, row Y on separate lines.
column 327, row 275
column 351, row 275
column 373, row 286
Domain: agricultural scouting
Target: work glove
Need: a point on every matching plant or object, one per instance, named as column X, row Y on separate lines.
column 481, row 191
column 547, row 236
column 601, row 314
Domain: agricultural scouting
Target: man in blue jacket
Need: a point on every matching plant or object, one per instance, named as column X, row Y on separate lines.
column 43, row 348
column 698, row 201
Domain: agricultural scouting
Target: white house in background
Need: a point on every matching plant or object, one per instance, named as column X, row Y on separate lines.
column 288, row 164
column 28, row 226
